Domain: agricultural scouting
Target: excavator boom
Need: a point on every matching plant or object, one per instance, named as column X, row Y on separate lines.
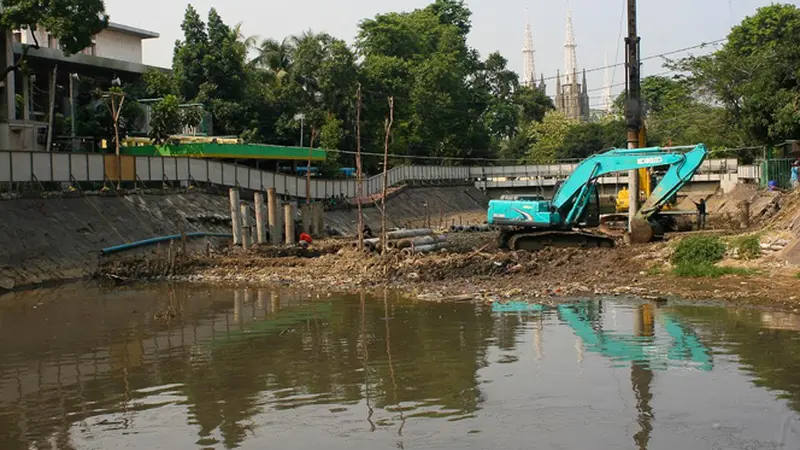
column 568, row 208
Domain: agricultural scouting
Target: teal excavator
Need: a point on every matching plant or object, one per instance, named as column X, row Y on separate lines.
column 533, row 224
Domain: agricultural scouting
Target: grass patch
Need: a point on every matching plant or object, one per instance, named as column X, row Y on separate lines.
column 655, row 271
column 708, row 271
column 797, row 275
column 748, row 247
column 698, row 250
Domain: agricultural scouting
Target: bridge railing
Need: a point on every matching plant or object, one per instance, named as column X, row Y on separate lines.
column 28, row 166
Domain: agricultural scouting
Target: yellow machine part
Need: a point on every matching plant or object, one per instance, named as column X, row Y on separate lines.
column 645, row 188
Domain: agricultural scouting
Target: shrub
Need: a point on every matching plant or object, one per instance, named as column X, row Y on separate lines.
column 698, row 250
column 708, row 271
column 749, row 247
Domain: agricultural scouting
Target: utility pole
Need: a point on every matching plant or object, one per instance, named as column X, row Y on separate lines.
column 633, row 109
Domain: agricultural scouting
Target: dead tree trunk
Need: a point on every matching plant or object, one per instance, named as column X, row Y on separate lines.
column 359, row 173
column 389, row 122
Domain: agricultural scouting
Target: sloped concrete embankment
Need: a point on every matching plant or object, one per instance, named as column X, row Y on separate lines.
column 413, row 207
column 53, row 239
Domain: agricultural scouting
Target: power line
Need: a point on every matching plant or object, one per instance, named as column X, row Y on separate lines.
column 646, row 58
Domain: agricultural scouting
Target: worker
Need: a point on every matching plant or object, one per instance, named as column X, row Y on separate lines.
column 367, row 231
column 305, row 240
column 701, row 213
column 795, row 174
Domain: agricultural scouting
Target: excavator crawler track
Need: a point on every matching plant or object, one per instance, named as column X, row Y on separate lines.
column 535, row 241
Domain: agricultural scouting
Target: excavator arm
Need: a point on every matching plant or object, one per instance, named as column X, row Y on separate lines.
column 572, row 197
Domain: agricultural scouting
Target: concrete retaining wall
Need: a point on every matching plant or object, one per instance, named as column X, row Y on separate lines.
column 52, row 239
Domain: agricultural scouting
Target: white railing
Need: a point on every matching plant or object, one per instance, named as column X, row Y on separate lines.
column 26, row 166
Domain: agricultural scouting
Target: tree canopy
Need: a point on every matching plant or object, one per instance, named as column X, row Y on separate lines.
column 755, row 76
column 451, row 102
column 73, row 22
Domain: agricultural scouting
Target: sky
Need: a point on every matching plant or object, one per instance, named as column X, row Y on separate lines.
column 497, row 25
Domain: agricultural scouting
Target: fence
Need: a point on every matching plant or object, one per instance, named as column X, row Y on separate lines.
column 42, row 167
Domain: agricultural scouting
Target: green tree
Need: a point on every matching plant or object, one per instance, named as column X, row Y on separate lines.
column 189, row 54
column 330, row 139
column 675, row 114
column 158, row 83
column 585, row 139
column 73, row 22
column 548, row 137
column 754, row 75
column 533, row 103
column 165, row 119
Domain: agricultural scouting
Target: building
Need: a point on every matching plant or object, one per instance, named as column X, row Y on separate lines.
column 53, row 77
column 529, row 69
column 572, row 96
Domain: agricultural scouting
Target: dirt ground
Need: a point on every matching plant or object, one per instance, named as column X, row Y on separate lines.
column 474, row 269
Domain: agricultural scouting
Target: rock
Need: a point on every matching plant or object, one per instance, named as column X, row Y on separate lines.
column 7, row 283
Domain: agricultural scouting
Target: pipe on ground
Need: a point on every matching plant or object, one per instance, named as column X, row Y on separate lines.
column 425, row 248
column 155, row 240
column 415, row 242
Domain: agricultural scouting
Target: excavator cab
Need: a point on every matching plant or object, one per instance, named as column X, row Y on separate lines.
column 591, row 215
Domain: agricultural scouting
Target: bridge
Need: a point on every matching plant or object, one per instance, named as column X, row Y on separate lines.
column 25, row 168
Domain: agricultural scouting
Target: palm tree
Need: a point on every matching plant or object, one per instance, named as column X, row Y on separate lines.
column 277, row 57
column 249, row 42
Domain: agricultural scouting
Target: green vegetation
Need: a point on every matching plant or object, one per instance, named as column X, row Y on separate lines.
column 73, row 22
column 698, row 250
column 797, row 275
column 450, row 101
column 697, row 256
column 709, row 271
column 748, row 247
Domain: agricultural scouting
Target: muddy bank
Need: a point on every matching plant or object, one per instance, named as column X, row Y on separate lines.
column 473, row 268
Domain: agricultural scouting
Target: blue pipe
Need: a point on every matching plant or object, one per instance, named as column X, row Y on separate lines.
column 172, row 237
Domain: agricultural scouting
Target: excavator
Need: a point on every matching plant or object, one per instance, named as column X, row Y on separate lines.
column 563, row 221
column 646, row 180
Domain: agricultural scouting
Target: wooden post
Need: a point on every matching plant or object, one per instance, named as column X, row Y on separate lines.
column 261, row 230
column 236, row 222
column 288, row 217
column 245, row 211
column 272, row 209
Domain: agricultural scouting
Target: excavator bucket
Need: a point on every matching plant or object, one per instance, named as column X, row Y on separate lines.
column 641, row 231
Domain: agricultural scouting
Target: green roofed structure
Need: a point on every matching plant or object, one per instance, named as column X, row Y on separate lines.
column 227, row 151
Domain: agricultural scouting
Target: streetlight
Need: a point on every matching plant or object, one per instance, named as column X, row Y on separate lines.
column 300, row 117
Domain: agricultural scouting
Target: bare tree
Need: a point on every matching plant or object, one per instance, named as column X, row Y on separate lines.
column 308, row 165
column 389, row 121
column 359, row 174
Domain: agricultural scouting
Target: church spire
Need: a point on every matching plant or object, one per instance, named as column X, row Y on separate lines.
column 529, row 67
column 570, row 57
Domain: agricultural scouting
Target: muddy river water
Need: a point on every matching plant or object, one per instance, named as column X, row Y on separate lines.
column 179, row 367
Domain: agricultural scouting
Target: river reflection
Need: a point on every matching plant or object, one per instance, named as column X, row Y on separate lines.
column 189, row 367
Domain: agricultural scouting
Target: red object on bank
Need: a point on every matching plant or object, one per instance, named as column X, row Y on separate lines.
column 305, row 237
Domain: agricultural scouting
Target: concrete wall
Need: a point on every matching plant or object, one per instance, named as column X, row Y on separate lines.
column 51, row 239
column 60, row 238
column 108, row 44
column 115, row 45
column 407, row 208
